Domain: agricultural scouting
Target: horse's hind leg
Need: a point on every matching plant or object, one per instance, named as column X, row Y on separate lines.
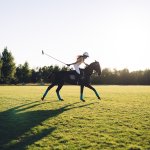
column 57, row 91
column 52, row 85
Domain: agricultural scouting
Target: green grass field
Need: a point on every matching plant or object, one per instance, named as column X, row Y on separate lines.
column 120, row 121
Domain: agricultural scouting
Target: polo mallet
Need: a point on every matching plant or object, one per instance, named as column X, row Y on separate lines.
column 53, row 57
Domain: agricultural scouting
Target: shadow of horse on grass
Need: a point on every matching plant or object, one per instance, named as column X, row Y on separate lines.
column 16, row 124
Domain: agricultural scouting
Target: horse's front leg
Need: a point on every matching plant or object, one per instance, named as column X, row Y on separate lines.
column 81, row 93
column 90, row 87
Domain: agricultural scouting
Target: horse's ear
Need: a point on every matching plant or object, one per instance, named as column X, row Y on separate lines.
column 95, row 61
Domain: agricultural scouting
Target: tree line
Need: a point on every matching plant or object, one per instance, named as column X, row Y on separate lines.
column 12, row 74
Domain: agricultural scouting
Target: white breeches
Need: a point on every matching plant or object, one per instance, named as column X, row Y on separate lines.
column 77, row 68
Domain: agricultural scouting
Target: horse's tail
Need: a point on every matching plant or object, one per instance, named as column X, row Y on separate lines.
column 51, row 76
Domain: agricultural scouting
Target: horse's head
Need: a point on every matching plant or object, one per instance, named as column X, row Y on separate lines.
column 96, row 66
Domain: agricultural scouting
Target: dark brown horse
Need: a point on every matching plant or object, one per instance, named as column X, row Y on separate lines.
column 71, row 77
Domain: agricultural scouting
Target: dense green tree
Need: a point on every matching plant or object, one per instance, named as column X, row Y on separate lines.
column 64, row 68
column 26, row 72
column 34, row 76
column 124, row 76
column 19, row 75
column 23, row 73
column 8, row 66
column 106, row 76
column 146, row 77
column 56, row 68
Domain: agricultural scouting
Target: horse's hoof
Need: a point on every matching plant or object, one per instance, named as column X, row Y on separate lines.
column 82, row 100
column 61, row 100
column 42, row 99
column 99, row 98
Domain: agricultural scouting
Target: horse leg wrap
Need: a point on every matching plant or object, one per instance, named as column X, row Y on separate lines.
column 81, row 96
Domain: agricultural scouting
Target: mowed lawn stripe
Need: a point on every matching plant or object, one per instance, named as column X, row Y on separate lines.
column 121, row 120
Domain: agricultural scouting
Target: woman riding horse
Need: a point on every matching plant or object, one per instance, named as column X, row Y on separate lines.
column 80, row 60
column 61, row 77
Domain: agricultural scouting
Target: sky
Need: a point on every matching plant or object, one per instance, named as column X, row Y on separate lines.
column 114, row 32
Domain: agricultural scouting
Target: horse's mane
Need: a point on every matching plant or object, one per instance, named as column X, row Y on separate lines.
column 93, row 63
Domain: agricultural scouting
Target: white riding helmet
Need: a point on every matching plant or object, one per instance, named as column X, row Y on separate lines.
column 85, row 54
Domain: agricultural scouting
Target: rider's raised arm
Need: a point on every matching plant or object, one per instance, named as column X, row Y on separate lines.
column 79, row 60
column 72, row 63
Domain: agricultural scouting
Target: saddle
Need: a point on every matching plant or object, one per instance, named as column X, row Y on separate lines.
column 73, row 75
